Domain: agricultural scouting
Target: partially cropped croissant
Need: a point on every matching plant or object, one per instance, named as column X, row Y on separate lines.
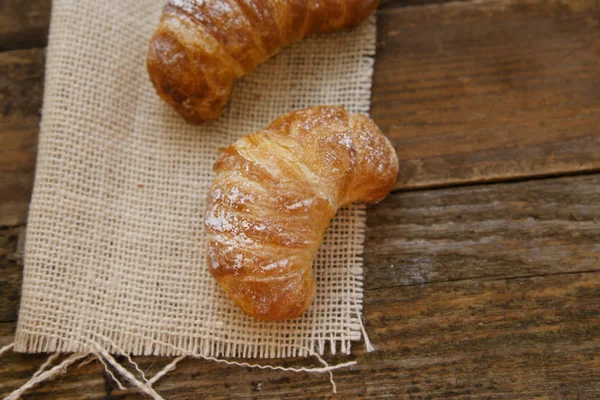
column 201, row 46
column 273, row 196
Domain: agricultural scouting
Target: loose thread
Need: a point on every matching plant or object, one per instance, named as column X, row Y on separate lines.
column 136, row 367
column 43, row 376
column 147, row 387
column 45, row 365
column 144, row 387
column 324, row 363
column 6, row 348
column 368, row 345
column 275, row 367
column 240, row 364
column 88, row 360
column 109, row 372
column 170, row 367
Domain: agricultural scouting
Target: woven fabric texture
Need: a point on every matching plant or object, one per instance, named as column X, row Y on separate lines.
column 115, row 248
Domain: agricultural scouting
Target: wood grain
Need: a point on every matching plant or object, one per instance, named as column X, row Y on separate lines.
column 494, row 291
column 467, row 92
column 21, row 87
column 87, row 382
column 24, row 24
column 508, row 230
column 11, row 271
column 487, row 91
column 464, row 339
column 483, row 291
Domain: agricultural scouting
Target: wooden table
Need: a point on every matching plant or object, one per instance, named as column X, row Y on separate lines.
column 482, row 269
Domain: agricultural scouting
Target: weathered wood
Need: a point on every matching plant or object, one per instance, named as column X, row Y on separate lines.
column 467, row 93
column 479, row 292
column 445, row 340
column 11, row 271
column 507, row 230
column 495, row 290
column 21, row 83
column 478, row 232
column 486, row 91
column 87, row 382
column 24, row 24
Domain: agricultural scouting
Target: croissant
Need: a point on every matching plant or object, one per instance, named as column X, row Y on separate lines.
column 201, row 46
column 272, row 198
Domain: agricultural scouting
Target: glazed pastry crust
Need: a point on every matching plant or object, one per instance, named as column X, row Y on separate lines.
column 201, row 46
column 273, row 196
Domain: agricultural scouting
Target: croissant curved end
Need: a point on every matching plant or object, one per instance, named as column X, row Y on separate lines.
column 199, row 48
column 181, row 82
column 273, row 196
column 275, row 299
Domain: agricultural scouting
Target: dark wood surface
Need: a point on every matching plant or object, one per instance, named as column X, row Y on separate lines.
column 482, row 271
column 24, row 24
column 489, row 91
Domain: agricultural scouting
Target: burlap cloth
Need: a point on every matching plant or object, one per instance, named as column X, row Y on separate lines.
column 115, row 248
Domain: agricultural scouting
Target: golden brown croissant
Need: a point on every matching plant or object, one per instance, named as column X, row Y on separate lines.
column 273, row 196
column 201, row 46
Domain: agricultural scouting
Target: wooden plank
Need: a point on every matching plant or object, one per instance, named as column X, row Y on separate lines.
column 11, row 271
column 494, row 92
column 445, row 327
column 477, row 232
column 87, row 382
column 508, row 230
column 21, row 88
column 491, row 285
column 24, row 26
column 518, row 338
column 489, row 91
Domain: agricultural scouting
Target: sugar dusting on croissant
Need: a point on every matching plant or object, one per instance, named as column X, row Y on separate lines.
column 201, row 46
column 273, row 196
